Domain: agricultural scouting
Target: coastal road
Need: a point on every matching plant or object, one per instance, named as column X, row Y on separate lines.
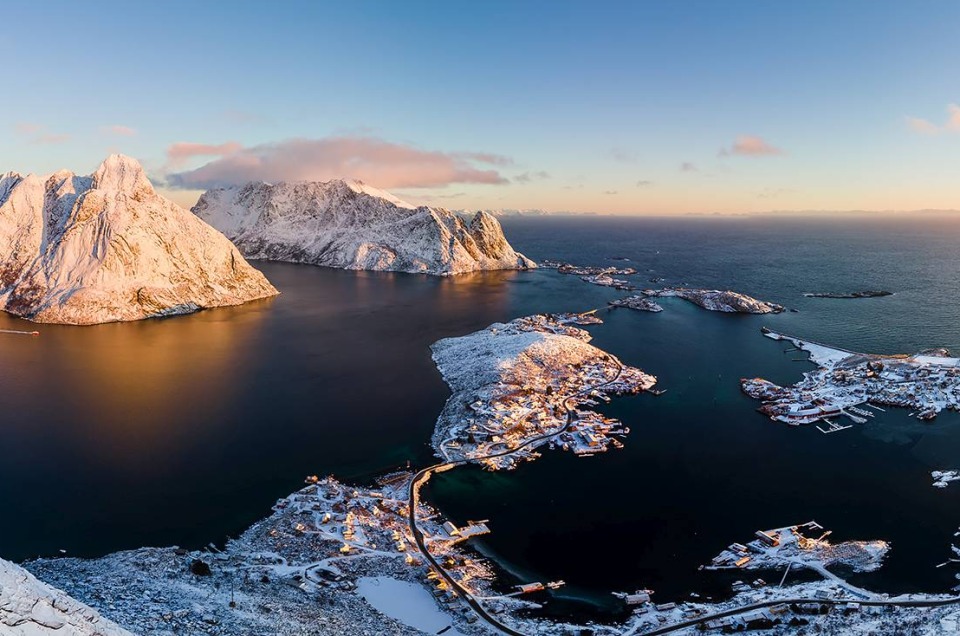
column 424, row 475
column 833, row 601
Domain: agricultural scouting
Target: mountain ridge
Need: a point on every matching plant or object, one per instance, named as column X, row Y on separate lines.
column 350, row 225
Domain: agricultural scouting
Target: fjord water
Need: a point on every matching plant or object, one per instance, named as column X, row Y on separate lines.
column 183, row 431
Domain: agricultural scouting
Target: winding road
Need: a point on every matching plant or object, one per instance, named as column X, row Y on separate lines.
column 423, row 476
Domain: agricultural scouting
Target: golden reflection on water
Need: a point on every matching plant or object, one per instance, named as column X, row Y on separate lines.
column 141, row 386
column 160, row 392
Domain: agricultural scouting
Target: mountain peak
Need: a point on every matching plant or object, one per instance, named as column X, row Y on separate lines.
column 121, row 173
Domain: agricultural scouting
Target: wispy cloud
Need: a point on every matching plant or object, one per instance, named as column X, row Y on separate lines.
column 623, row 155
column 527, row 177
column 40, row 134
column 773, row 193
column 382, row 163
column 922, row 126
column 926, row 127
column 183, row 151
column 52, row 138
column 241, row 117
column 750, row 146
column 643, row 183
column 610, row 192
column 118, row 129
column 687, row 166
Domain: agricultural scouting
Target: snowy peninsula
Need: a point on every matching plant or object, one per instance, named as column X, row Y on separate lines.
column 517, row 385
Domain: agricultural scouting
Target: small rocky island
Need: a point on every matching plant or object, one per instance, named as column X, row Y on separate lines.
column 601, row 276
column 716, row 300
column 856, row 294
column 638, row 302
column 350, row 225
column 106, row 247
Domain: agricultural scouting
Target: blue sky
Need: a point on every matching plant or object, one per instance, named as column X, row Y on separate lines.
column 632, row 107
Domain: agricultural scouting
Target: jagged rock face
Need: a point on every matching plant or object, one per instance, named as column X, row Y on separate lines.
column 29, row 607
column 105, row 248
column 349, row 225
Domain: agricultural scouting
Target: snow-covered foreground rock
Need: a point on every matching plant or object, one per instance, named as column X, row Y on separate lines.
column 29, row 607
column 350, row 225
column 106, row 247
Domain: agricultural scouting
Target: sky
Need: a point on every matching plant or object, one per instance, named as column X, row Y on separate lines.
column 659, row 107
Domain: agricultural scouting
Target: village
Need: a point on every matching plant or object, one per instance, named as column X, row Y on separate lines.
column 854, row 385
column 547, row 379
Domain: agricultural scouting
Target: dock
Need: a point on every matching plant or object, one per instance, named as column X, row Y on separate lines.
column 20, row 333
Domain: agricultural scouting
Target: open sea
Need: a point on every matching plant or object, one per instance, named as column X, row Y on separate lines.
column 186, row 430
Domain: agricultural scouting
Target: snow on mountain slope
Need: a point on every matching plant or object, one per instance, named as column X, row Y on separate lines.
column 105, row 248
column 29, row 607
column 353, row 226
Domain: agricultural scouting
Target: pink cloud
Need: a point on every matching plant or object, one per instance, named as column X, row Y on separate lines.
column 117, row 129
column 953, row 117
column 926, row 127
column 27, row 128
column 922, row 126
column 381, row 163
column 750, row 146
column 51, row 138
column 183, row 151
column 40, row 134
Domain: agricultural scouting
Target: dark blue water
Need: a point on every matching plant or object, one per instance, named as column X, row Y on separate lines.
column 183, row 431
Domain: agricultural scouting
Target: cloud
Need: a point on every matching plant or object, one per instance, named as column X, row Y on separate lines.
column 773, row 193
column 117, row 129
column 527, row 177
column 623, row 155
column 241, row 117
column 39, row 134
column 376, row 161
column 953, row 117
column 643, row 183
column 51, row 138
column 686, row 166
column 183, row 151
column 922, row 126
column 750, row 146
column 441, row 197
column 610, row 192
column 926, row 127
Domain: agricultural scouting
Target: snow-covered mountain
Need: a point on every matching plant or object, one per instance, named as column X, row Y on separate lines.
column 107, row 247
column 350, row 225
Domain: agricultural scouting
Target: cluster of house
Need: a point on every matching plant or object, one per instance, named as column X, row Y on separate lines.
column 498, row 433
column 926, row 384
column 375, row 522
column 775, row 548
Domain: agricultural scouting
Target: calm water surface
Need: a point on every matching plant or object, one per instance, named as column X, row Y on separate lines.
column 184, row 431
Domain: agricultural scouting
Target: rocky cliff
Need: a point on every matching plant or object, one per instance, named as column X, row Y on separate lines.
column 350, row 225
column 106, row 247
column 29, row 607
